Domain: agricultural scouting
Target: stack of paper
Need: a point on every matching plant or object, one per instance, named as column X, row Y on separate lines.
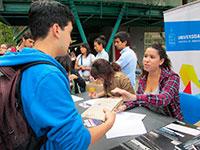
column 76, row 98
column 127, row 124
column 96, row 110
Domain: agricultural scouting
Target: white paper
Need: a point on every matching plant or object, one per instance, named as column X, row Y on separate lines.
column 87, row 104
column 76, row 98
column 84, row 105
column 127, row 124
column 131, row 116
column 92, row 101
column 183, row 129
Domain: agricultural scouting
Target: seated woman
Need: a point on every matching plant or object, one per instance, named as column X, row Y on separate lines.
column 76, row 82
column 84, row 61
column 158, row 88
column 110, row 76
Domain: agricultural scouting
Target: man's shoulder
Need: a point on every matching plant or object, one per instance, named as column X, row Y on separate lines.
column 90, row 55
column 131, row 51
column 41, row 71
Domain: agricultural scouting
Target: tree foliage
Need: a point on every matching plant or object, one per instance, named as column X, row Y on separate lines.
column 6, row 34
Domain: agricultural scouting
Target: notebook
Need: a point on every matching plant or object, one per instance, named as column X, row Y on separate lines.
column 96, row 110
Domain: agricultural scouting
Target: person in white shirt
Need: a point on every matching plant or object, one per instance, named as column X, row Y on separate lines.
column 84, row 61
column 99, row 45
column 128, row 58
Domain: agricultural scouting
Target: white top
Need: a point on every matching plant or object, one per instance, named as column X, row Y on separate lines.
column 103, row 55
column 86, row 62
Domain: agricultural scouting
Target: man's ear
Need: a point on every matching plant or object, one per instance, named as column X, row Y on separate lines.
column 23, row 40
column 125, row 43
column 56, row 30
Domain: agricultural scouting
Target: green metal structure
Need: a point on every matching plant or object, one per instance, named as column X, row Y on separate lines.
column 77, row 20
column 91, row 16
column 116, row 27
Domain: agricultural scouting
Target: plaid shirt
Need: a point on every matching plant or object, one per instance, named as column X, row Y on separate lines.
column 167, row 101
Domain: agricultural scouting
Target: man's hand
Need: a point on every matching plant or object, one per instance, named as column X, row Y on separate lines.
column 109, row 117
column 100, row 130
column 125, row 95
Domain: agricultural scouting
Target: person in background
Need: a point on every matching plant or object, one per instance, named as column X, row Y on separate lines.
column 11, row 48
column 111, row 76
column 26, row 41
column 73, row 55
column 73, row 59
column 99, row 45
column 84, row 61
column 3, row 49
column 47, row 103
column 77, row 83
column 158, row 88
column 128, row 58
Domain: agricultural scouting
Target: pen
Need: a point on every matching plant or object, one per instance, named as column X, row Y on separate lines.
column 180, row 122
column 164, row 129
column 194, row 147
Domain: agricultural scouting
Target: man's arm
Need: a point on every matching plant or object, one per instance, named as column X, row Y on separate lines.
column 122, row 61
column 50, row 110
column 99, row 131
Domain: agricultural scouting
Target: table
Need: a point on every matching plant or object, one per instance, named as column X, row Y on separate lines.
column 151, row 121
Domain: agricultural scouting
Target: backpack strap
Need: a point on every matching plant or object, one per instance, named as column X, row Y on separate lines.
column 23, row 68
column 7, row 71
column 34, row 144
column 81, row 59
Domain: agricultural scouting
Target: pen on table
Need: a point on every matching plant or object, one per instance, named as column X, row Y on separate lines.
column 194, row 147
column 109, row 94
column 164, row 129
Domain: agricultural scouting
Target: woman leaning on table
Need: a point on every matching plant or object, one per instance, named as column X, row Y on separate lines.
column 158, row 88
column 111, row 77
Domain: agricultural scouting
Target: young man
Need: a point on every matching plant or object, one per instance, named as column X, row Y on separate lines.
column 26, row 41
column 128, row 58
column 47, row 103
column 99, row 45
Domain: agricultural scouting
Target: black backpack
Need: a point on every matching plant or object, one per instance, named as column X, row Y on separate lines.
column 15, row 133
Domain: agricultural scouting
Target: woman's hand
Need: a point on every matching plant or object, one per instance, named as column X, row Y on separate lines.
column 125, row 95
column 121, row 108
column 93, row 95
column 72, row 77
column 81, row 68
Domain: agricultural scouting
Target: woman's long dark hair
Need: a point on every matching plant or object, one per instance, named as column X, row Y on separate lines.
column 65, row 61
column 85, row 45
column 101, row 68
column 163, row 55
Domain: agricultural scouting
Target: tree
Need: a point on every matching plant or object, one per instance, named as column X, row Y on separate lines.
column 6, row 34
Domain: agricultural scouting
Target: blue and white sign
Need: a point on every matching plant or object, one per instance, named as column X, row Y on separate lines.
column 182, row 34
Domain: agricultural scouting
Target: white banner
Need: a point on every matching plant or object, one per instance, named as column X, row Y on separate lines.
column 182, row 32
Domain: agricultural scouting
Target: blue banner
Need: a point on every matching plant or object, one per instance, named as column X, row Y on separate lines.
column 182, row 36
